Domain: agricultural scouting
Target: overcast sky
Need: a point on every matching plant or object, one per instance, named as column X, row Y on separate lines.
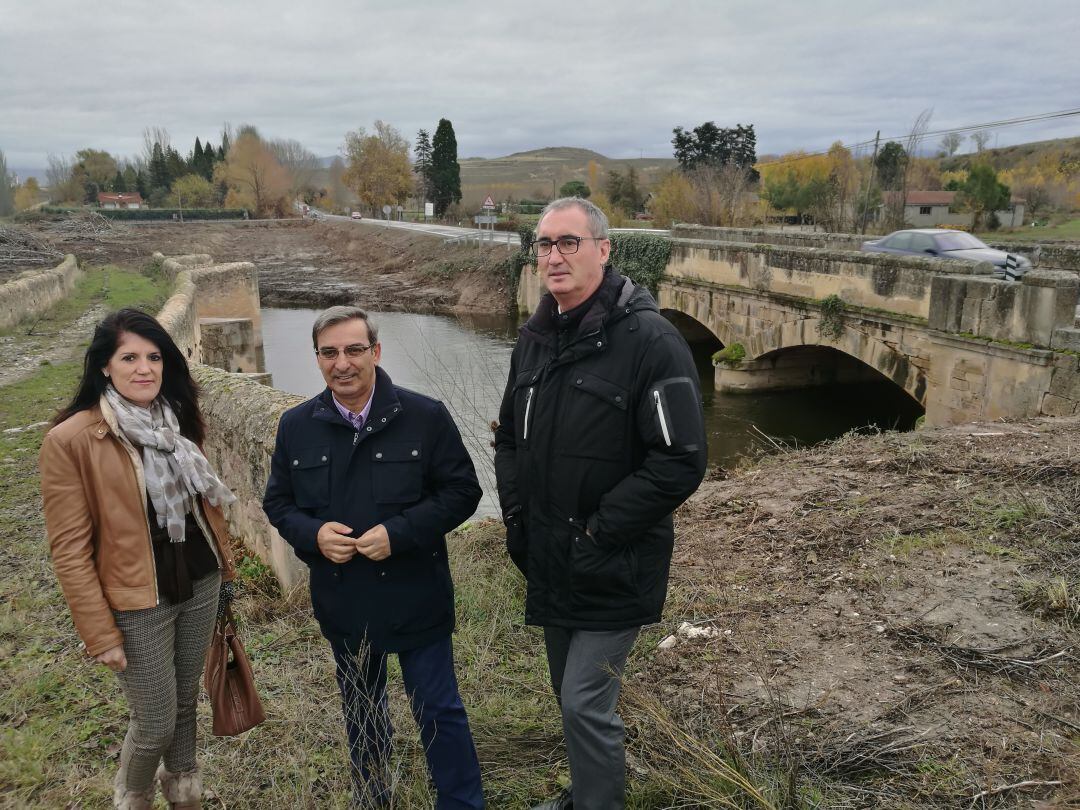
column 615, row 77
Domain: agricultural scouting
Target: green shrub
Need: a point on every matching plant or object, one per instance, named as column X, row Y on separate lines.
column 730, row 355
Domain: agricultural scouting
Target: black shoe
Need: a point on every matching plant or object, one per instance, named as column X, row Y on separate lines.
column 564, row 801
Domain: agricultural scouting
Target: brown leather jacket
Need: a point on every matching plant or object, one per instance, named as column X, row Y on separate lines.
column 95, row 517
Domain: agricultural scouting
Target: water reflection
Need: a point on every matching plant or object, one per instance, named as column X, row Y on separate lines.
column 463, row 362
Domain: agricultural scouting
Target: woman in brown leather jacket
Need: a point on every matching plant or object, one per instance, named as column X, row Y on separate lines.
column 138, row 541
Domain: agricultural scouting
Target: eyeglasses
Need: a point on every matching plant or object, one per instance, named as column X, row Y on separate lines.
column 352, row 352
column 566, row 245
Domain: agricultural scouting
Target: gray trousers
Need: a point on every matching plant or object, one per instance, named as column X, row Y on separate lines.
column 165, row 648
column 586, row 673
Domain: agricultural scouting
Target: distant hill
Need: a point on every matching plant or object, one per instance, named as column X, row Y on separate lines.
column 538, row 173
column 1009, row 157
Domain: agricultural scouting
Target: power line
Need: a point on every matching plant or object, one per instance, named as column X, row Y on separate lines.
column 1002, row 124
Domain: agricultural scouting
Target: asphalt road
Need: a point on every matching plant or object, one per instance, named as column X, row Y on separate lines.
column 445, row 231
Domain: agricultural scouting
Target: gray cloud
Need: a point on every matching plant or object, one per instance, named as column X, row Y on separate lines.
column 610, row 76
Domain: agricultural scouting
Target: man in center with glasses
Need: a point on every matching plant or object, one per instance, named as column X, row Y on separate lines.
column 365, row 482
column 600, row 438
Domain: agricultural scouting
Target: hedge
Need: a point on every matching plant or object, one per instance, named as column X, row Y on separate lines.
column 147, row 214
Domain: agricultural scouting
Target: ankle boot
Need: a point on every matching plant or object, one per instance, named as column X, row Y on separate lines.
column 124, row 799
column 182, row 790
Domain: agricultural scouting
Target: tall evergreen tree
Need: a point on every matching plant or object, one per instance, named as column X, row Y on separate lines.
column 206, row 165
column 159, row 169
column 118, row 183
column 141, row 184
column 7, row 192
column 445, row 171
column 177, row 166
column 223, row 150
column 197, row 156
column 422, row 163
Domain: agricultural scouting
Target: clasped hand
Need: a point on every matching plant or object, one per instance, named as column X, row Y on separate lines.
column 336, row 545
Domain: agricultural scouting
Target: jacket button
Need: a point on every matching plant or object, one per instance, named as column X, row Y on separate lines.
column 369, row 429
column 618, row 399
column 382, row 573
column 324, row 458
column 296, row 462
column 100, row 431
column 599, row 344
column 416, row 452
column 384, row 418
column 579, row 381
column 378, row 455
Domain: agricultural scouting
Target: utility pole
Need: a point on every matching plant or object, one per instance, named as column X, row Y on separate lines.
column 869, row 184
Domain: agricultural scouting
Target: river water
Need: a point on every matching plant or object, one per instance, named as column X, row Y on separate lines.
column 463, row 361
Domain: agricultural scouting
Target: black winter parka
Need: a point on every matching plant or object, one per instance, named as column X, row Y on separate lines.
column 597, row 444
column 406, row 469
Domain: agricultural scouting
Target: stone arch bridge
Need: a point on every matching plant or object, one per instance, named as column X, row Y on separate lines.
column 960, row 342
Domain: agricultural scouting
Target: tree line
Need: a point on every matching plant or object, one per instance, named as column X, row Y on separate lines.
column 264, row 176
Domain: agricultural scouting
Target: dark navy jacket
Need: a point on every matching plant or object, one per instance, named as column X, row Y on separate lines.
column 406, row 469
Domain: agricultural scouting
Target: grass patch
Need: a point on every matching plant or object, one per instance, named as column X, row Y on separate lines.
column 1058, row 597
column 1064, row 230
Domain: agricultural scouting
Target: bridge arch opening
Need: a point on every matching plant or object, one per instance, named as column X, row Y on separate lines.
column 849, row 392
column 698, row 335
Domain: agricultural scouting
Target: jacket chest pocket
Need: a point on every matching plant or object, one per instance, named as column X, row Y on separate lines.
column 397, row 472
column 526, row 387
column 310, row 467
column 595, row 417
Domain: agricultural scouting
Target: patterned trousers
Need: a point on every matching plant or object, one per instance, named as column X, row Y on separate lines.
column 165, row 648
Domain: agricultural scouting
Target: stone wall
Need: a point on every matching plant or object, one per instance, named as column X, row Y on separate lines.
column 1029, row 312
column 894, row 284
column 34, row 292
column 242, row 417
column 1044, row 255
column 241, row 414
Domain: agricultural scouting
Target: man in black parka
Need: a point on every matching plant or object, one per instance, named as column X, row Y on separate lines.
column 600, row 438
column 365, row 481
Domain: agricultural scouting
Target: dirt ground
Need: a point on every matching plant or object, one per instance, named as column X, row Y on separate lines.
column 305, row 263
column 898, row 616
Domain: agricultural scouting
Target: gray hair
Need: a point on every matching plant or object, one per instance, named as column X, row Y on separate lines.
column 335, row 315
column 598, row 224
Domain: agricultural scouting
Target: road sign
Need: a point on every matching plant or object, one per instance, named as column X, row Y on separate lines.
column 488, row 202
column 485, row 219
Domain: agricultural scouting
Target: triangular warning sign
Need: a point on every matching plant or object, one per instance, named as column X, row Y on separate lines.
column 488, row 202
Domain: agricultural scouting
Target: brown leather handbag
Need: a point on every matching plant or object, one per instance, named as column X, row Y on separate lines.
column 230, row 683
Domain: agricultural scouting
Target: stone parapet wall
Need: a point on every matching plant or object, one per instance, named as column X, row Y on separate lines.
column 34, row 292
column 1045, row 255
column 1029, row 312
column 242, row 417
column 769, row 236
column 894, row 284
column 241, row 413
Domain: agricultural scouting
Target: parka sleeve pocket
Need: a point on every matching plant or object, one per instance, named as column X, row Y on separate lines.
column 310, row 468
column 397, row 472
column 674, row 407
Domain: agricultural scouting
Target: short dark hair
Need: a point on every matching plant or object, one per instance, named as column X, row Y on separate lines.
column 335, row 315
column 177, row 386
